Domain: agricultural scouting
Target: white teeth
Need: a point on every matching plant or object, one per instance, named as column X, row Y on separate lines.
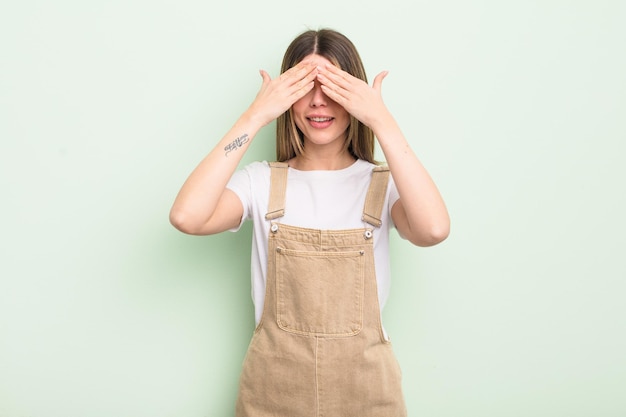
column 321, row 119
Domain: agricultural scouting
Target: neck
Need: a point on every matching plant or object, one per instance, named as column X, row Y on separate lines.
column 309, row 162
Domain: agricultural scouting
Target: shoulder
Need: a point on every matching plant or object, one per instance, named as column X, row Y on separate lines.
column 369, row 167
column 257, row 167
column 364, row 170
column 252, row 172
column 249, row 178
column 363, row 165
column 251, row 184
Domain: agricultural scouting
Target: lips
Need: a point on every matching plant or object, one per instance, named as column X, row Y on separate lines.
column 320, row 122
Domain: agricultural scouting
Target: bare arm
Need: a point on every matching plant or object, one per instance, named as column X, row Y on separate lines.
column 204, row 205
column 420, row 214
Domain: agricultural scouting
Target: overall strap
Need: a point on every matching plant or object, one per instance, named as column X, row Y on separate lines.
column 278, row 187
column 375, row 198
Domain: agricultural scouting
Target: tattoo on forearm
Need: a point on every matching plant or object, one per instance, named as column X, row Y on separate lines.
column 236, row 144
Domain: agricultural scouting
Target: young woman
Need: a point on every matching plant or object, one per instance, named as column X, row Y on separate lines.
column 322, row 214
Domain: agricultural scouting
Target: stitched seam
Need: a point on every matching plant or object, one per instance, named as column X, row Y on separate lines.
column 317, row 396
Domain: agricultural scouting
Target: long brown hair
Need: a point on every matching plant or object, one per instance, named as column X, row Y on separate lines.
column 339, row 50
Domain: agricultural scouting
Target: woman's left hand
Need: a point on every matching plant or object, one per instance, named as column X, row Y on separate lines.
column 355, row 95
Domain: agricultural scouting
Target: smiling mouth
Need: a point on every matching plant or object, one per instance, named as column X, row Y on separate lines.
column 320, row 119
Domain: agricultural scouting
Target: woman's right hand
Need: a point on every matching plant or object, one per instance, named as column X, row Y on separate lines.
column 277, row 95
column 204, row 205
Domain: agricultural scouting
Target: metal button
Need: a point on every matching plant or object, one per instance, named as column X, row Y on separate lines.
column 274, row 228
column 368, row 234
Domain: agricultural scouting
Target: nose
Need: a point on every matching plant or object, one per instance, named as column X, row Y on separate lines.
column 318, row 98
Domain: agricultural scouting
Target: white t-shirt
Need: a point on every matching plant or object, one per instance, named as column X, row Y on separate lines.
column 325, row 200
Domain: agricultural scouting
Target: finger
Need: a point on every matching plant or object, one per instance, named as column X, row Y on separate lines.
column 297, row 72
column 301, row 92
column 341, row 76
column 265, row 80
column 336, row 75
column 331, row 82
column 302, row 86
column 334, row 95
column 265, row 76
column 334, row 70
column 378, row 81
column 341, row 81
column 342, row 96
column 306, row 84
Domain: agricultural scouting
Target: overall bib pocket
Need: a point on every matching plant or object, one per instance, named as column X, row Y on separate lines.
column 319, row 293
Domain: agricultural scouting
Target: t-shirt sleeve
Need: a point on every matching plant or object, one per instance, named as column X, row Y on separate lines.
column 393, row 197
column 240, row 184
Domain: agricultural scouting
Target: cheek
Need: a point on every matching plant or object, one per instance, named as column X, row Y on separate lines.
column 299, row 123
column 345, row 118
column 298, row 108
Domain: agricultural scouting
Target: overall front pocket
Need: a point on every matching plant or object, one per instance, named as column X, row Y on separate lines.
column 319, row 293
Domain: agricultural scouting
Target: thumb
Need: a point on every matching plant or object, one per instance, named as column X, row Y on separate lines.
column 378, row 81
column 266, row 77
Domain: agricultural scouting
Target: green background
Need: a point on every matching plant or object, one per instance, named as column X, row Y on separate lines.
column 516, row 108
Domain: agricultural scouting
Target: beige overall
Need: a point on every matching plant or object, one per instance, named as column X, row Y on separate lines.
column 319, row 350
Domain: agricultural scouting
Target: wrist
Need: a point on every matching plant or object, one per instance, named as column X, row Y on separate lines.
column 252, row 120
column 383, row 124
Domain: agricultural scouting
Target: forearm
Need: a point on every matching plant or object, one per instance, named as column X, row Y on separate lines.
column 199, row 196
column 202, row 206
column 426, row 216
